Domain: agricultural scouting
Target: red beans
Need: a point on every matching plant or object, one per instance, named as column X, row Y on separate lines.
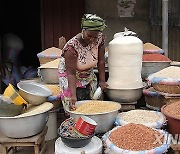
column 135, row 137
column 155, row 57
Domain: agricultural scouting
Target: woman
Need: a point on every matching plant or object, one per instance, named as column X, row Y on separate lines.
column 80, row 54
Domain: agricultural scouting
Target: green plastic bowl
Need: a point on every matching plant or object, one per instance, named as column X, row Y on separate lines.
column 8, row 108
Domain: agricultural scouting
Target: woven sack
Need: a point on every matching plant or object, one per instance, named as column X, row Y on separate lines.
column 111, row 148
column 49, row 55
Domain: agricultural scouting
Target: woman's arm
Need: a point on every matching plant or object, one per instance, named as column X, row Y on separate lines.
column 71, row 61
column 101, row 68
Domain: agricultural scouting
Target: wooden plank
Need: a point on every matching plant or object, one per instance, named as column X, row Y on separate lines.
column 47, row 8
column 74, row 18
column 21, row 144
column 34, row 139
column 43, row 149
column 4, row 150
column 57, row 19
column 36, row 149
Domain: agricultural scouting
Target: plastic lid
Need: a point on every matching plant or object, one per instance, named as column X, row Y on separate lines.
column 95, row 146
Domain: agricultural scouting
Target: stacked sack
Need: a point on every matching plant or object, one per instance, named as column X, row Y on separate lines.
column 165, row 88
column 48, row 71
column 153, row 60
column 49, row 76
column 167, row 84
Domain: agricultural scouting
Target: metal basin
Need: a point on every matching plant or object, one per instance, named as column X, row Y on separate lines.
column 49, row 75
column 152, row 67
column 34, row 93
column 124, row 95
column 9, row 110
column 20, row 127
column 104, row 121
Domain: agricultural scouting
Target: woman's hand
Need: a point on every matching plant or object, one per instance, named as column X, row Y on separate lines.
column 72, row 103
column 103, row 85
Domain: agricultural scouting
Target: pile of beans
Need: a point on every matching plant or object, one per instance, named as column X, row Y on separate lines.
column 136, row 137
column 169, row 72
column 155, row 57
column 150, row 46
column 93, row 107
column 173, row 109
column 140, row 116
column 51, row 51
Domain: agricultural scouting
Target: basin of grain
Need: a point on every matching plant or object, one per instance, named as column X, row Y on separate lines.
column 103, row 113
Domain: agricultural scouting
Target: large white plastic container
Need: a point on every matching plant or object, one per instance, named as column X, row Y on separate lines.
column 125, row 63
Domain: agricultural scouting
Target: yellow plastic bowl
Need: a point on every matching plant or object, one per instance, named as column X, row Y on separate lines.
column 11, row 92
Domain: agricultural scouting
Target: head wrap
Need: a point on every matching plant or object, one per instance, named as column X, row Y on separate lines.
column 93, row 22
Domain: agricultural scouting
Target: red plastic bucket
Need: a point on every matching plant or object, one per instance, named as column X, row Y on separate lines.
column 85, row 125
column 173, row 123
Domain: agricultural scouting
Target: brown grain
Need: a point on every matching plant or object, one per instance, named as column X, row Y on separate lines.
column 135, row 137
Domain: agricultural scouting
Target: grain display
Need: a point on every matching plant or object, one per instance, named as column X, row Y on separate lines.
column 135, row 137
column 150, row 46
column 172, row 72
column 33, row 110
column 94, row 107
column 51, row 64
column 140, row 116
column 54, row 88
column 173, row 109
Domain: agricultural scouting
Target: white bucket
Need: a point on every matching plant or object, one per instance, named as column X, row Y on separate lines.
column 52, row 126
column 94, row 147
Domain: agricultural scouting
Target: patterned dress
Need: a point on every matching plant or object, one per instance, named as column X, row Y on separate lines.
column 87, row 59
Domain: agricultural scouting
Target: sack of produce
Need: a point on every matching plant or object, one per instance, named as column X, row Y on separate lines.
column 149, row 48
column 153, row 99
column 148, row 118
column 49, row 55
column 135, row 139
column 166, row 80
